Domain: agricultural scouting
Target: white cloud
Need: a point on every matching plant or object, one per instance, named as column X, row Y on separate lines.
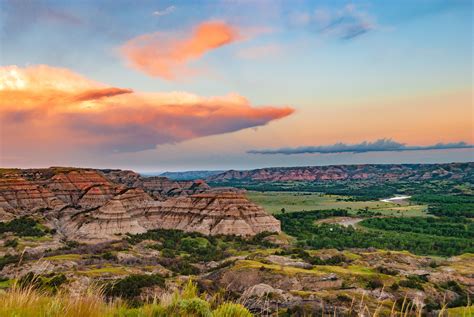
column 166, row 11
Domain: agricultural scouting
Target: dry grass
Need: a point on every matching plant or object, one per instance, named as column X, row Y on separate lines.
column 29, row 302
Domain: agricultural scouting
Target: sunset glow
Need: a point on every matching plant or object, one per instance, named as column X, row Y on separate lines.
column 218, row 83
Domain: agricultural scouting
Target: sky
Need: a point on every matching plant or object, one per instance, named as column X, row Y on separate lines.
column 234, row 84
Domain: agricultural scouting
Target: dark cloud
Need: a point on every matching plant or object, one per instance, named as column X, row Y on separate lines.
column 94, row 94
column 382, row 145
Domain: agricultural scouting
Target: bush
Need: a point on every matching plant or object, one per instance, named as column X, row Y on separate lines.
column 12, row 243
column 130, row 286
column 410, row 283
column 196, row 307
column 375, row 283
column 8, row 259
column 109, row 256
column 386, row 270
column 343, row 298
column 231, row 310
column 168, row 253
column 49, row 282
column 23, row 226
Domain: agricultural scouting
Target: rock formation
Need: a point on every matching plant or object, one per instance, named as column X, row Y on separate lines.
column 212, row 213
column 157, row 186
column 20, row 195
column 99, row 205
column 117, row 216
column 409, row 172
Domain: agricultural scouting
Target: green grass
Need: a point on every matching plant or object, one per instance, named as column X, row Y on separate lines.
column 45, row 238
column 405, row 211
column 95, row 272
column 6, row 284
column 64, row 257
column 274, row 268
column 273, row 202
column 460, row 311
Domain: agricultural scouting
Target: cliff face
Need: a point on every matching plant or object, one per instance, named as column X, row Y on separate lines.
column 17, row 194
column 157, row 186
column 117, row 216
column 411, row 172
column 212, row 213
column 93, row 205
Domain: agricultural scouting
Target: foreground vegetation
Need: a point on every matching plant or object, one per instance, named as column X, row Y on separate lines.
column 28, row 301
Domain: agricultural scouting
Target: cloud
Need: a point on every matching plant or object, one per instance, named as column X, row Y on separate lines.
column 166, row 55
column 44, row 107
column 166, row 11
column 381, row 145
column 346, row 23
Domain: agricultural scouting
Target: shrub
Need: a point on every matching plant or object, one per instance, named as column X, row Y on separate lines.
column 375, row 283
column 386, row 270
column 23, row 226
column 12, row 243
column 410, row 283
column 231, row 310
column 343, row 298
column 168, row 253
column 8, row 259
column 395, row 286
column 130, row 286
column 196, row 307
column 49, row 282
column 109, row 256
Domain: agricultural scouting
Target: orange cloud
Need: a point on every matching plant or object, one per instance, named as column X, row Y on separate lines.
column 163, row 55
column 43, row 107
column 101, row 93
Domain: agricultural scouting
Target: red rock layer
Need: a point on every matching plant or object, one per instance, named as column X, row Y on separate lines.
column 212, row 214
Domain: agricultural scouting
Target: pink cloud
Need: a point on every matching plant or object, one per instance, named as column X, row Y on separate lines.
column 54, row 109
column 166, row 55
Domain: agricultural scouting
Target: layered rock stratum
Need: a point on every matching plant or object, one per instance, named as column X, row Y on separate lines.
column 213, row 213
column 388, row 172
column 99, row 205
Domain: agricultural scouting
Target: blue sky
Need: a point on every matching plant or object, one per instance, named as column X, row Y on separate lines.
column 348, row 69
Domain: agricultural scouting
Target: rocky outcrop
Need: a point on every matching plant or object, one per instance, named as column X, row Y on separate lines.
column 100, row 205
column 73, row 185
column 213, row 213
column 27, row 191
column 158, row 187
column 134, row 211
column 18, row 195
column 118, row 216
column 411, row 172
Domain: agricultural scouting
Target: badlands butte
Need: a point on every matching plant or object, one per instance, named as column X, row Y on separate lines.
column 296, row 241
column 90, row 205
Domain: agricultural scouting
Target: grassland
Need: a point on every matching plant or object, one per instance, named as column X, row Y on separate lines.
column 274, row 202
column 29, row 302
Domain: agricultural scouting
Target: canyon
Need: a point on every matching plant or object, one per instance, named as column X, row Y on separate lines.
column 94, row 206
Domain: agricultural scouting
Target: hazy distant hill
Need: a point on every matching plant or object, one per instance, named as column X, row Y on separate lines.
column 464, row 171
column 190, row 175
